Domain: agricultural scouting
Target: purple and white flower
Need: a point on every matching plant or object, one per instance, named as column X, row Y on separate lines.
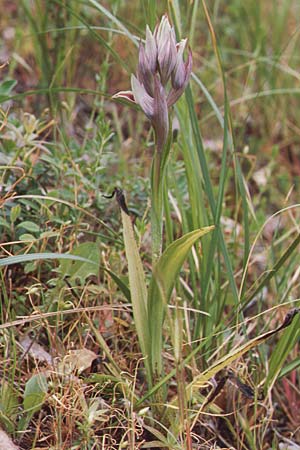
column 160, row 65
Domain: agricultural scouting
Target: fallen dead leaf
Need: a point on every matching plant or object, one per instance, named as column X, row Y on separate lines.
column 35, row 350
column 76, row 361
column 6, row 443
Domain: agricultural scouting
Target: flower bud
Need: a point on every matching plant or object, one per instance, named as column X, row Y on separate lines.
column 180, row 78
column 179, row 72
column 160, row 119
column 151, row 50
column 142, row 97
column 166, row 49
column 145, row 74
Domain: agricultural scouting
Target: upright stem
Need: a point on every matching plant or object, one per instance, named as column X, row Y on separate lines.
column 156, row 207
column 158, row 171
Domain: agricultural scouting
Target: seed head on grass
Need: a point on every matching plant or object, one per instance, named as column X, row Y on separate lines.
column 160, row 64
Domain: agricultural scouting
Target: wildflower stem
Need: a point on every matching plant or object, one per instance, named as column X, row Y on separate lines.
column 156, row 207
column 158, row 171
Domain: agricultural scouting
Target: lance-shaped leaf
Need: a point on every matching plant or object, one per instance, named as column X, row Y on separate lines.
column 162, row 283
column 138, row 289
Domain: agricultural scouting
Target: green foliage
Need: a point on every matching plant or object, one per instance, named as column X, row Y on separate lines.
column 44, row 256
column 6, row 88
column 35, row 393
column 162, row 337
column 78, row 269
column 138, row 291
column 164, row 277
column 282, row 350
column 9, row 405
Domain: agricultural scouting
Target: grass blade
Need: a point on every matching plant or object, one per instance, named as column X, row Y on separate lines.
column 41, row 256
column 223, row 362
column 281, row 351
column 161, row 285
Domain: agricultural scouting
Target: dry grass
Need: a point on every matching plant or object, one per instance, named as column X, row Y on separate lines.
column 72, row 340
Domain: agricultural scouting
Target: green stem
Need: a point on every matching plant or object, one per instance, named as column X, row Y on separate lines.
column 158, row 171
column 156, row 207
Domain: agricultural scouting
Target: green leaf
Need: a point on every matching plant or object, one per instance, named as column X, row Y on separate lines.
column 8, row 398
column 39, row 257
column 293, row 365
column 9, row 404
column 29, row 226
column 4, row 223
column 120, row 283
column 138, row 289
column 29, row 267
column 15, row 213
column 27, row 237
column 5, row 89
column 162, row 283
column 281, row 351
column 81, row 269
column 209, row 189
column 35, row 393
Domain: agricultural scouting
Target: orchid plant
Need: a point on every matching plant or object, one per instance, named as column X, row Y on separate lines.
column 162, row 76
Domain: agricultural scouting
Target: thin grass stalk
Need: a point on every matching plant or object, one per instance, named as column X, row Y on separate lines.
column 228, row 141
column 214, row 241
column 38, row 26
column 199, row 214
column 196, row 216
column 204, row 167
column 193, row 172
column 180, row 375
column 113, row 19
column 253, row 291
column 193, row 21
column 38, row 23
column 281, row 352
column 174, row 11
column 93, row 32
column 208, row 189
column 150, row 7
column 164, row 380
column 188, row 224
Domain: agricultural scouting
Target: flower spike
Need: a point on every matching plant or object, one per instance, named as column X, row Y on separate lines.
column 160, row 64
